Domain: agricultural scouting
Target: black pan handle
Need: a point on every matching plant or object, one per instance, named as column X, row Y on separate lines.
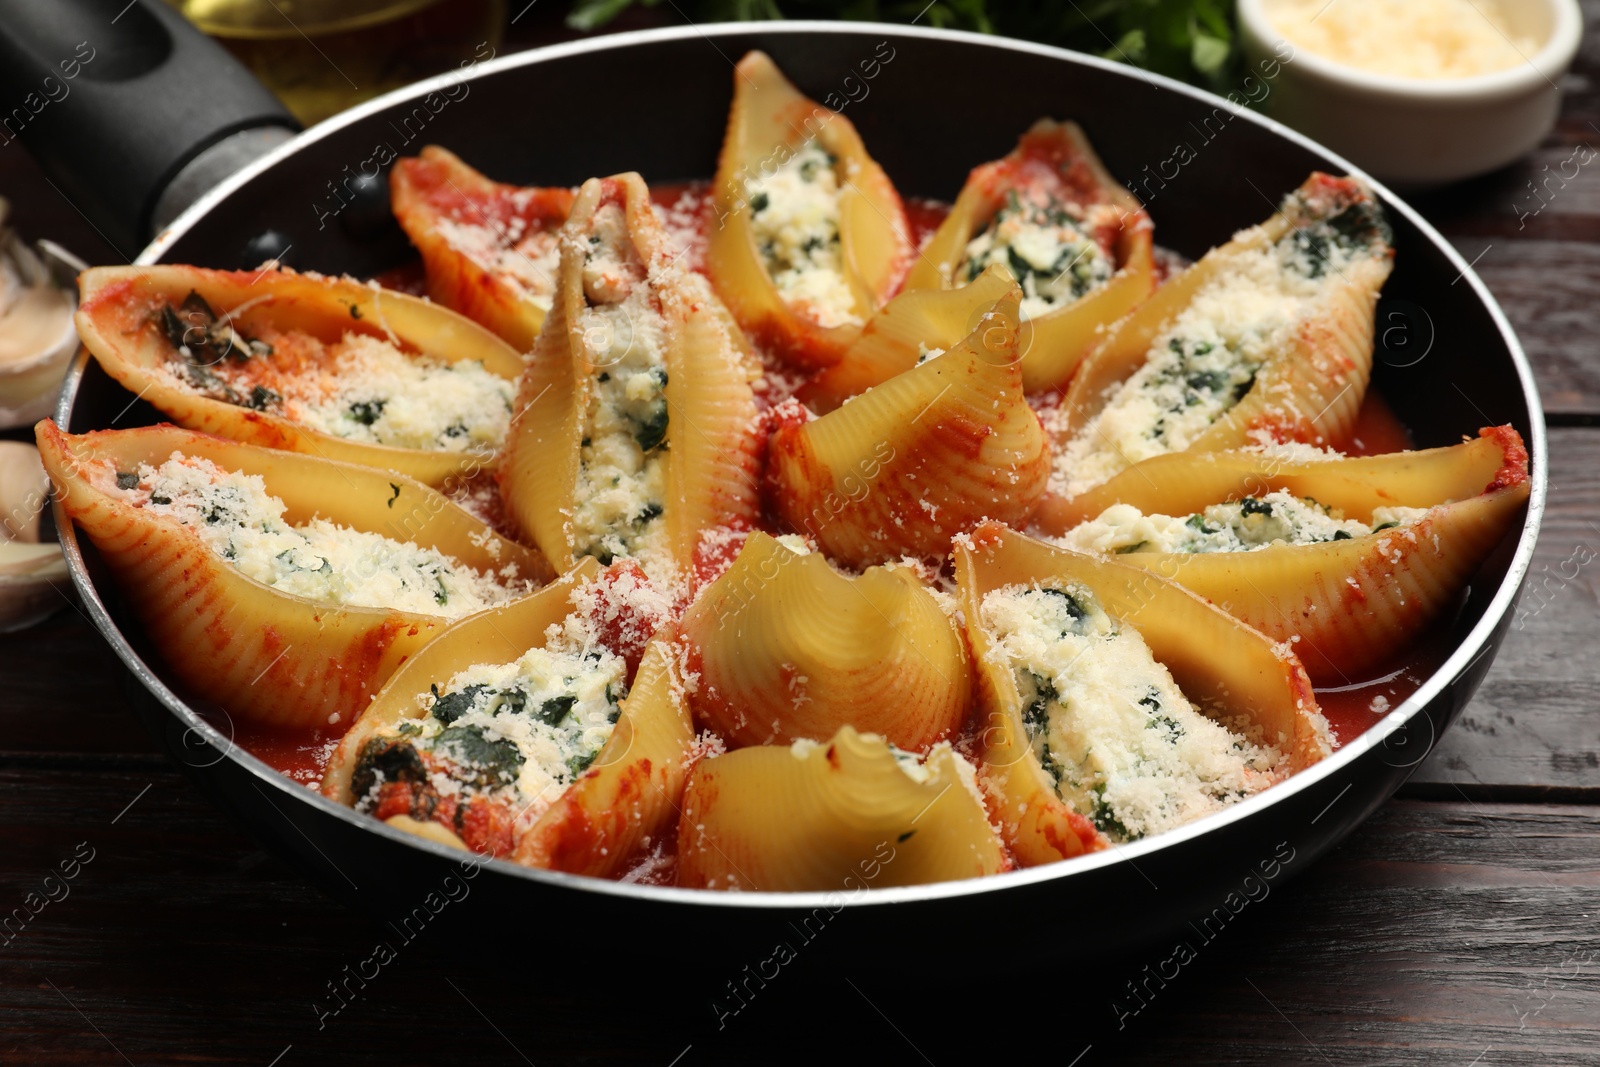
column 118, row 98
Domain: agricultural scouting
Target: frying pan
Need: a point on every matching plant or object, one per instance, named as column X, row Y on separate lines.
column 655, row 101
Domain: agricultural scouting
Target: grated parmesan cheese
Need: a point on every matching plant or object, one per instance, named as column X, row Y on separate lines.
column 624, row 604
column 373, row 392
column 684, row 223
column 1406, row 38
column 1121, row 743
column 235, row 516
column 1295, row 452
column 528, row 262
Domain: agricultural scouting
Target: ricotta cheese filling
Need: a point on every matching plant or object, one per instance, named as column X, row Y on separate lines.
column 235, row 517
column 622, row 473
column 1206, row 360
column 1243, row 525
column 1115, row 735
column 1047, row 244
column 360, row 388
column 518, row 732
column 794, row 217
column 376, row 394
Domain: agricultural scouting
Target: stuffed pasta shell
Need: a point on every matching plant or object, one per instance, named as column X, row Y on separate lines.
column 1107, row 710
column 329, row 366
column 908, row 464
column 635, row 428
column 909, row 330
column 1267, row 338
column 490, row 250
column 1076, row 240
column 786, row 648
column 510, row 737
column 1349, row 559
column 847, row 813
column 283, row 587
column 809, row 236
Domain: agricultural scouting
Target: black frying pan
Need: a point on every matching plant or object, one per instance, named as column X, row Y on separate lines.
column 656, row 102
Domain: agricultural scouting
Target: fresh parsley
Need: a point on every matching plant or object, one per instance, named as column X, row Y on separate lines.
column 1191, row 40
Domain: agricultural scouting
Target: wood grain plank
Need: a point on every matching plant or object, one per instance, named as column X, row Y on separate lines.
column 1535, row 721
column 1436, row 931
column 1546, row 288
column 63, row 691
column 1551, row 193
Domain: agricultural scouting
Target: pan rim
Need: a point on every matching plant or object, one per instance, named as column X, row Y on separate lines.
column 1475, row 645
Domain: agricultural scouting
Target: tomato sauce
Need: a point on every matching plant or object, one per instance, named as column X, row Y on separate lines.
column 297, row 755
column 410, row 278
column 1351, row 708
column 924, row 216
column 1377, row 430
column 688, row 215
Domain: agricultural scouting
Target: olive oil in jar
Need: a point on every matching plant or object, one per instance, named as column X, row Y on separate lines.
column 322, row 56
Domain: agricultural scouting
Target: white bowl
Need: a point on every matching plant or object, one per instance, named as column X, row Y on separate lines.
column 1413, row 131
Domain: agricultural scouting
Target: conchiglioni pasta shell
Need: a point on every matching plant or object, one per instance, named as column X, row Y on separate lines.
column 841, row 816
column 786, row 647
column 906, row 465
column 910, row 324
column 1350, row 606
column 629, row 799
column 1310, row 390
column 1183, row 483
column 434, row 192
column 266, row 656
column 712, row 446
column 498, row 635
column 1059, row 340
column 1253, row 678
column 116, row 322
column 713, row 442
column 768, row 121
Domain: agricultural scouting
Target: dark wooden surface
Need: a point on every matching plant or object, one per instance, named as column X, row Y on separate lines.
column 1460, row 925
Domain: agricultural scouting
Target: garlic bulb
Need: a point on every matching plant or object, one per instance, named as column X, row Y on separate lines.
column 37, row 338
column 33, row 576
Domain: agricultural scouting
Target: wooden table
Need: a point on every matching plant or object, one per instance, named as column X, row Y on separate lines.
column 1461, row 925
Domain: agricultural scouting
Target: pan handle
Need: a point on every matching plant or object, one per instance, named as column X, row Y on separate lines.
column 131, row 111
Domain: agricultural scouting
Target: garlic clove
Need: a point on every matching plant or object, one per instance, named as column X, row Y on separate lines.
column 21, row 558
column 34, row 582
column 24, row 491
column 37, row 337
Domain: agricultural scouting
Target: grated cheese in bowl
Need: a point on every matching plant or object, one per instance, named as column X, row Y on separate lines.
column 1406, row 38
